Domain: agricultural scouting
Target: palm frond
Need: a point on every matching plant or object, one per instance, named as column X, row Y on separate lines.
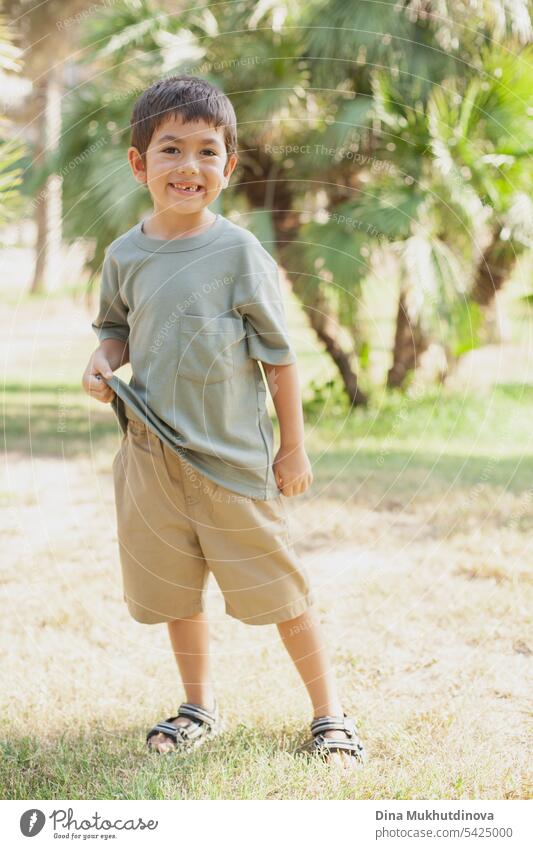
column 435, row 278
column 507, row 19
column 482, row 135
column 123, row 29
column 517, row 223
column 351, row 39
column 11, row 154
column 383, row 211
column 327, row 254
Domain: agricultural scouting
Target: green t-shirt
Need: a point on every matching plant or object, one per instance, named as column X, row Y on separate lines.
column 199, row 313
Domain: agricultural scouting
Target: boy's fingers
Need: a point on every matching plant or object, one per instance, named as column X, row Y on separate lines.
column 105, row 390
column 102, row 367
column 105, row 398
column 98, row 388
column 97, row 382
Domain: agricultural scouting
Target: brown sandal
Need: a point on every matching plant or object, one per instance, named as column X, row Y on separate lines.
column 322, row 746
column 203, row 724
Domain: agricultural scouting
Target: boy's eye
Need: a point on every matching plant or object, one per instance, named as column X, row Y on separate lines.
column 205, row 150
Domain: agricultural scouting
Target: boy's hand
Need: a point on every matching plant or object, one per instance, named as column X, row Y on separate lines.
column 92, row 380
column 292, row 470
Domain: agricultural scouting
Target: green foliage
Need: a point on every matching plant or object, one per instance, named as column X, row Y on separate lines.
column 466, row 326
column 12, row 151
column 328, row 398
column 354, row 38
column 100, row 196
column 11, row 200
column 423, row 154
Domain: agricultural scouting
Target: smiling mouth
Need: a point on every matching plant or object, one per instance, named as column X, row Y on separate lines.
column 189, row 188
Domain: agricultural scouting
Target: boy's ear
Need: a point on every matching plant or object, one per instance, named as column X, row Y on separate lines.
column 230, row 166
column 137, row 165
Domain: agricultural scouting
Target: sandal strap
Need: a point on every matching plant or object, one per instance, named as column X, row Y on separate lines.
column 165, row 728
column 334, row 723
column 321, row 745
column 185, row 733
column 200, row 720
column 198, row 713
column 353, row 747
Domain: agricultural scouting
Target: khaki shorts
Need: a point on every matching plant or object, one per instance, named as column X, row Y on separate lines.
column 175, row 525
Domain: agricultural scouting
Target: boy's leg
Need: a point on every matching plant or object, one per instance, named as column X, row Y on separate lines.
column 190, row 643
column 304, row 642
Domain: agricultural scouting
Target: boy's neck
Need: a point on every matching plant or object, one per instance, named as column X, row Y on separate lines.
column 161, row 225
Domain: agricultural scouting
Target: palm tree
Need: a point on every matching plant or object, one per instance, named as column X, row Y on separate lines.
column 389, row 185
column 12, row 150
column 478, row 141
column 125, row 47
column 50, row 28
column 417, row 196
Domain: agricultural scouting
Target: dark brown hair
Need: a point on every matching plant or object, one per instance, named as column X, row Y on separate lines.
column 192, row 98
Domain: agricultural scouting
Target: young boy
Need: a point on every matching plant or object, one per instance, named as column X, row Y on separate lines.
column 193, row 303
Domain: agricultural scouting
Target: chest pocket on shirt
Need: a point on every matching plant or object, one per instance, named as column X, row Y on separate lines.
column 206, row 347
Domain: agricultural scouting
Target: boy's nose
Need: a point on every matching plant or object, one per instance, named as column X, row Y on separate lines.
column 188, row 167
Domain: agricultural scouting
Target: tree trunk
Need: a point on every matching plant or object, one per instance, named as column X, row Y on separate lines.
column 324, row 328
column 495, row 267
column 37, row 285
column 324, row 325
column 273, row 194
column 39, row 202
column 48, row 204
column 409, row 344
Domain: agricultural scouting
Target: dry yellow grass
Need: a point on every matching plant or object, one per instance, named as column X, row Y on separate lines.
column 427, row 629
column 424, row 592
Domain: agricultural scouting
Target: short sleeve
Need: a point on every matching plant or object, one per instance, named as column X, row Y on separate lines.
column 266, row 329
column 112, row 319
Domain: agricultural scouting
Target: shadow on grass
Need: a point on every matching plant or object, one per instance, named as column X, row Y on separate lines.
column 340, row 474
column 242, row 763
column 51, row 421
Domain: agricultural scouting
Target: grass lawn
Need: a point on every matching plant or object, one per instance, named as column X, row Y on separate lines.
column 416, row 534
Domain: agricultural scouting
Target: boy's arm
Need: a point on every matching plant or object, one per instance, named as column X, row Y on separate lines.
column 111, row 327
column 112, row 319
column 116, row 352
column 284, row 386
column 269, row 343
column 292, row 468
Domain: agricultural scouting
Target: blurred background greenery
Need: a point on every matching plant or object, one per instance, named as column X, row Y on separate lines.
column 385, row 161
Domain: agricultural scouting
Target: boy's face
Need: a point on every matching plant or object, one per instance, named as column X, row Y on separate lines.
column 184, row 153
